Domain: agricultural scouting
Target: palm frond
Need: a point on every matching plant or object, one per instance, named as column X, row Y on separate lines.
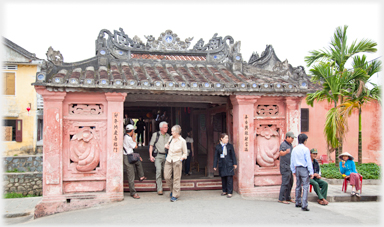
column 335, row 128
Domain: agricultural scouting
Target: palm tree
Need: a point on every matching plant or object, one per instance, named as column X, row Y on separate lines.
column 334, row 87
column 360, row 95
column 336, row 79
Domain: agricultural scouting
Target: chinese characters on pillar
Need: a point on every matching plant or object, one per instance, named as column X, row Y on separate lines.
column 246, row 133
column 116, row 132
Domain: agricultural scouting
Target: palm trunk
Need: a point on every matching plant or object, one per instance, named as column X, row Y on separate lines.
column 360, row 151
column 337, row 149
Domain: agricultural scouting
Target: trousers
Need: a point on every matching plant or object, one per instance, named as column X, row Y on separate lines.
column 130, row 170
column 159, row 164
column 227, row 184
column 173, row 168
column 286, row 185
column 140, row 137
column 320, row 187
column 302, row 178
column 187, row 163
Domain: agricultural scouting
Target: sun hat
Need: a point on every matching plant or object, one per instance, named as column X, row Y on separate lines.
column 129, row 127
column 290, row 134
column 346, row 154
column 313, row 151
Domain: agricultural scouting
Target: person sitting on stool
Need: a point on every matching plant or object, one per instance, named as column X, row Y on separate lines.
column 319, row 186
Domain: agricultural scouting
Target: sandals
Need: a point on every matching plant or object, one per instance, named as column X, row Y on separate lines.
column 143, row 178
column 224, row 193
column 353, row 193
column 322, row 202
column 357, row 194
column 229, row 196
column 285, row 202
column 136, row 196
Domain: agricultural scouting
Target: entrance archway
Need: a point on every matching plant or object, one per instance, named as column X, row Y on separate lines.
column 206, row 116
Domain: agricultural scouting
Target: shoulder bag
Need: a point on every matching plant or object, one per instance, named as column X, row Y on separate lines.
column 133, row 158
column 169, row 143
column 155, row 151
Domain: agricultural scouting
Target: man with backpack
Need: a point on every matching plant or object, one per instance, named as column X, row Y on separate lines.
column 157, row 153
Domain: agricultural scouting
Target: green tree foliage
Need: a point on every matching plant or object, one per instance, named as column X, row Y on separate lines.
column 328, row 69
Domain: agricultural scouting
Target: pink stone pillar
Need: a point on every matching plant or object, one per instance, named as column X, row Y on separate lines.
column 243, row 106
column 53, row 142
column 114, row 184
column 293, row 116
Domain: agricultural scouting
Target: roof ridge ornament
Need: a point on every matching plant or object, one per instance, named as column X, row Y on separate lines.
column 214, row 43
column 54, row 56
column 168, row 41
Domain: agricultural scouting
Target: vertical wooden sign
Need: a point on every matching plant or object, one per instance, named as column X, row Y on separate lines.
column 246, row 133
column 116, row 132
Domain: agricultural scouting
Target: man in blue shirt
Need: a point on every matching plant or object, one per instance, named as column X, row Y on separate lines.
column 301, row 167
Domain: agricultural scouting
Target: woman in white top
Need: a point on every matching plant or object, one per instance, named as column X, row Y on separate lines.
column 173, row 163
column 187, row 162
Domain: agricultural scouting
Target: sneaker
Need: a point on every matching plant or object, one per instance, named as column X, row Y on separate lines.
column 173, row 199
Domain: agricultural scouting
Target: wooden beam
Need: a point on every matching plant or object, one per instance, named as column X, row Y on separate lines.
column 176, row 98
column 166, row 104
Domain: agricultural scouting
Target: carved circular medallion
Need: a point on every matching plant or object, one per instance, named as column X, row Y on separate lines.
column 158, row 83
column 89, row 81
column 183, row 84
column 278, row 85
column 206, row 84
column 168, row 38
column 266, row 85
column 102, row 52
column 303, row 84
column 40, row 77
column 254, row 85
column 118, row 82
column 238, row 58
column 57, row 80
column 170, row 84
column 290, row 86
column 103, row 82
column 218, row 85
column 243, row 85
column 146, row 83
column 132, row 82
column 194, row 84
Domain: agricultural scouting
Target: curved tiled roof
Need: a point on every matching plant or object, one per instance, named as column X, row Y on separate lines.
column 167, row 65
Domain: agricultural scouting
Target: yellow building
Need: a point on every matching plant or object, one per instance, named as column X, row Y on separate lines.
column 22, row 118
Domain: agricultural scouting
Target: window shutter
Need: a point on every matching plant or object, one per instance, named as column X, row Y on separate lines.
column 9, row 84
column 19, row 130
column 304, row 119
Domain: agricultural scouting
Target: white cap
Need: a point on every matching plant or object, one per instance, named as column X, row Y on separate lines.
column 129, row 127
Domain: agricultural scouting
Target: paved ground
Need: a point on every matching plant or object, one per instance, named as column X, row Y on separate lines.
column 208, row 207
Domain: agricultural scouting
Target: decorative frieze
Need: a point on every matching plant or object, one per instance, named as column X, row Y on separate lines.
column 267, row 110
column 86, row 109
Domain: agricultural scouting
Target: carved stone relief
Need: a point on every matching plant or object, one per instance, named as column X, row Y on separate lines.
column 85, row 149
column 267, row 149
column 86, row 109
column 267, row 110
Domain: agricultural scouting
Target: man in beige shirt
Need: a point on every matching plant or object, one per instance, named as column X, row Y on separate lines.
column 173, row 164
column 159, row 160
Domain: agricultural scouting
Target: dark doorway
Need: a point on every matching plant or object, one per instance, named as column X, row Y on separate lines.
column 191, row 113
